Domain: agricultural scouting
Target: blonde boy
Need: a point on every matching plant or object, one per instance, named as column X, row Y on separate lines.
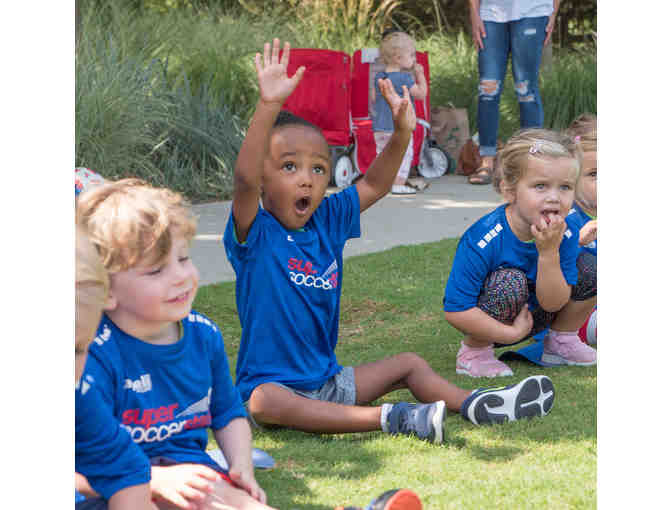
column 160, row 366
column 116, row 468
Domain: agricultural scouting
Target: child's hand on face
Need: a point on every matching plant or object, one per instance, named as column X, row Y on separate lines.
column 588, row 233
column 403, row 112
column 274, row 84
column 548, row 234
column 247, row 482
column 185, row 486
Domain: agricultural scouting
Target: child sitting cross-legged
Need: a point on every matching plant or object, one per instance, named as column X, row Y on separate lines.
column 288, row 259
column 515, row 270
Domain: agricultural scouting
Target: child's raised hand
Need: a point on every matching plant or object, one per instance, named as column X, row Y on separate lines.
column 419, row 71
column 403, row 112
column 548, row 236
column 588, row 233
column 274, row 84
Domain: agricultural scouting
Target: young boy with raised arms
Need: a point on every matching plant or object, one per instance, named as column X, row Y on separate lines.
column 111, row 469
column 288, row 259
column 515, row 270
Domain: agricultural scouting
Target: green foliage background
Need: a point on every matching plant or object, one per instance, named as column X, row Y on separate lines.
column 165, row 88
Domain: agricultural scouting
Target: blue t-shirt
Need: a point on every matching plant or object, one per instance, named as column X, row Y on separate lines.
column 382, row 119
column 104, row 452
column 167, row 396
column 288, row 292
column 490, row 244
column 578, row 218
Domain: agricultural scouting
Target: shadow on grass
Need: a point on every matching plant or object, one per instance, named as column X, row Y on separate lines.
column 323, row 459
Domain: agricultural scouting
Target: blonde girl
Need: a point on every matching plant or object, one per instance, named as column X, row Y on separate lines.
column 515, row 270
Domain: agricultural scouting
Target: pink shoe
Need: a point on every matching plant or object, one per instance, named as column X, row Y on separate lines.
column 566, row 348
column 480, row 362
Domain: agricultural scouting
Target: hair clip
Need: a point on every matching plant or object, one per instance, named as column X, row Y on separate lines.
column 536, row 147
column 577, row 138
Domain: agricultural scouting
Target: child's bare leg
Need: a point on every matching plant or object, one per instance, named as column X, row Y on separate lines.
column 406, row 370
column 574, row 314
column 228, row 497
column 272, row 404
column 224, row 497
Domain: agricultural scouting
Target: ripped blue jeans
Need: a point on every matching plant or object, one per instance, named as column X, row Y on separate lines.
column 524, row 40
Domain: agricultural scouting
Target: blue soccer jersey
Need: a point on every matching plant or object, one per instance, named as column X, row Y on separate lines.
column 288, row 290
column 577, row 217
column 167, row 396
column 490, row 244
column 104, row 452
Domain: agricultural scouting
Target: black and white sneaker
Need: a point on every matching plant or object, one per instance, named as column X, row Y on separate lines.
column 531, row 397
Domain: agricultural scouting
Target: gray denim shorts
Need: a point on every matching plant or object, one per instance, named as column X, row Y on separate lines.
column 339, row 389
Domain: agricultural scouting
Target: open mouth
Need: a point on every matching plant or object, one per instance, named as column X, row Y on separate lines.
column 302, row 205
column 546, row 214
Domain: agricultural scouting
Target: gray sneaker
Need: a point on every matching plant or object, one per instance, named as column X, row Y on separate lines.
column 422, row 420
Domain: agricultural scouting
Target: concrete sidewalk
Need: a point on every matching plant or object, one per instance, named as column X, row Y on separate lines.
column 445, row 209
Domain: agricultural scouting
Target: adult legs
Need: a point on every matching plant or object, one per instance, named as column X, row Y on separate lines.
column 527, row 43
column 492, row 63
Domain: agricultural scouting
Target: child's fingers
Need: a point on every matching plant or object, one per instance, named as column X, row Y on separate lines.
column 407, row 95
column 285, row 54
column 260, row 495
column 276, row 51
column 267, row 54
column 206, row 472
column 298, row 75
column 193, row 495
column 179, row 501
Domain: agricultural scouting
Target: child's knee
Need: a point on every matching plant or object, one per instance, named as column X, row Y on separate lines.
column 586, row 282
column 504, row 293
column 264, row 405
column 412, row 362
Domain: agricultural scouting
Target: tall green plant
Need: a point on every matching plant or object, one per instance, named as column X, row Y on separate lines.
column 199, row 148
column 116, row 111
column 344, row 25
column 569, row 88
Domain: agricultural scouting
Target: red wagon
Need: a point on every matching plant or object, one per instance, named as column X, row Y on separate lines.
column 334, row 95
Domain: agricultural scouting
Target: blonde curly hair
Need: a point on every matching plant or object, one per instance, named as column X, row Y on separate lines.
column 129, row 220
column 394, row 45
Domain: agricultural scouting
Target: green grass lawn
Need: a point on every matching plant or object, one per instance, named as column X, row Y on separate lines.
column 391, row 303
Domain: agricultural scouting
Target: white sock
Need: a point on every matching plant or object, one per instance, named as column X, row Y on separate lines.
column 384, row 411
